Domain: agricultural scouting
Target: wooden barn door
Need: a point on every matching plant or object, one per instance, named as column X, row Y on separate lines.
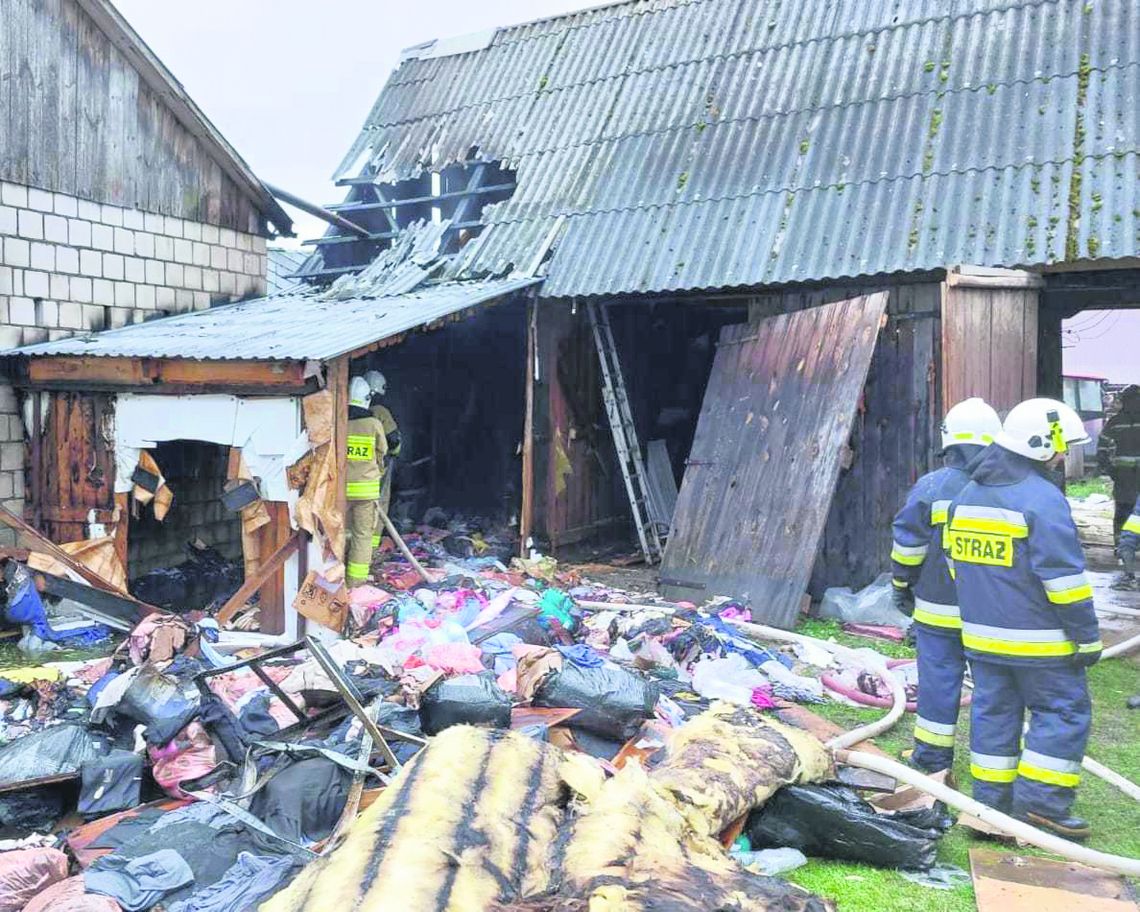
column 77, row 466
column 989, row 336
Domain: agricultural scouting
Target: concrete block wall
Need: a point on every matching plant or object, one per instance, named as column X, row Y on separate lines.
column 196, row 473
column 69, row 265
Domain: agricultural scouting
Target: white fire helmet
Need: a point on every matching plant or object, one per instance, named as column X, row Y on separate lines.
column 377, row 381
column 1041, row 428
column 971, row 421
column 359, row 392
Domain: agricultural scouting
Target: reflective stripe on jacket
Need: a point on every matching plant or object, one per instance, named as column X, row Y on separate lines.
column 367, row 447
column 1018, row 564
column 1130, row 532
column 917, row 559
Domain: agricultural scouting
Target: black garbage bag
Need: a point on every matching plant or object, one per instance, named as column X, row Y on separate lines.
column 164, row 704
column 614, row 702
column 304, row 801
column 465, row 700
column 34, row 810
column 111, row 783
column 830, row 821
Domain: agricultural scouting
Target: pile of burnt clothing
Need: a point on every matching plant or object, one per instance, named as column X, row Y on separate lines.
column 204, row 579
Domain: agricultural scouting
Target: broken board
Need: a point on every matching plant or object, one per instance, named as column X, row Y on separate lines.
column 777, row 414
column 1021, row 883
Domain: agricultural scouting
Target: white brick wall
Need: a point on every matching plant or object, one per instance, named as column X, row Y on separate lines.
column 68, row 265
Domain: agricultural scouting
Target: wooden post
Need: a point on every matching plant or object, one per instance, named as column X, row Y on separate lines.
column 526, row 513
column 338, row 385
column 269, row 568
column 37, row 461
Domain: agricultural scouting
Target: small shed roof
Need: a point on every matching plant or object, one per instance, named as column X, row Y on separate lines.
column 288, row 327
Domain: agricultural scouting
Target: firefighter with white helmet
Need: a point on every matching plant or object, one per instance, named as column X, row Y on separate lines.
column 379, row 385
column 367, row 446
column 924, row 588
column 1028, row 625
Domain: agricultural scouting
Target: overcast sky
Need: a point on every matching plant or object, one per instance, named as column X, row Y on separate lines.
column 289, row 82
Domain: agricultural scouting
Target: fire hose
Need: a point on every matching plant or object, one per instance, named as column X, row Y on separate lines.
column 842, row 744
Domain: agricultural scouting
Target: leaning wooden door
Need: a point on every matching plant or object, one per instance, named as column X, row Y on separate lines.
column 777, row 414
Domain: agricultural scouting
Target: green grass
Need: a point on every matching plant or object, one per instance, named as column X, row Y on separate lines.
column 1101, row 484
column 1115, row 817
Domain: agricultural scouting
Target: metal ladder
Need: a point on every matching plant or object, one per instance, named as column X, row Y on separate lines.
column 625, row 434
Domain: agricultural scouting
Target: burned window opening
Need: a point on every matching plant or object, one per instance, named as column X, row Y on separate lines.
column 458, row 194
column 192, row 557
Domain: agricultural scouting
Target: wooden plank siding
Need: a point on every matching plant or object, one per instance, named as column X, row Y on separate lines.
column 989, row 342
column 78, row 465
column 779, row 407
column 76, row 118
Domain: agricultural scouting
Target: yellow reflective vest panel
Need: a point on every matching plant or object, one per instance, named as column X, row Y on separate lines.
column 367, row 446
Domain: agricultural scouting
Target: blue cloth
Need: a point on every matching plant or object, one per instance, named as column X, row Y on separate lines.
column 499, row 647
column 941, row 665
column 730, row 639
column 26, row 608
column 1041, row 777
column 582, row 655
column 1130, row 534
column 917, row 559
column 1018, row 565
column 138, row 883
column 251, row 880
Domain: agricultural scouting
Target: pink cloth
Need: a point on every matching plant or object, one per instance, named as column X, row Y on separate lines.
column 25, row 873
column 455, row 658
column 509, row 680
column 761, row 699
column 190, row 755
column 71, row 896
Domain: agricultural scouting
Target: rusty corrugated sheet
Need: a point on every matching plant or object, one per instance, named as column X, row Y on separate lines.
column 777, row 413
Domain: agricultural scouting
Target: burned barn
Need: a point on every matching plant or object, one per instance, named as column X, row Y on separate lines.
column 699, row 276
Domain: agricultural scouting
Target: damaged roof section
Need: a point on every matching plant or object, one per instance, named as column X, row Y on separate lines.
column 696, row 144
column 290, row 327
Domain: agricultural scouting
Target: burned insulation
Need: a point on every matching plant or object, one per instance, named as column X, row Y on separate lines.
column 484, row 820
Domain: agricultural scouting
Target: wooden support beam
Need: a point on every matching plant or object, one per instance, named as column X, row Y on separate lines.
column 86, row 372
column 254, row 583
column 526, row 512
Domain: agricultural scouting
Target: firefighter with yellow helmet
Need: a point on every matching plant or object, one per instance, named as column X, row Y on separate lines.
column 367, row 446
column 1028, row 624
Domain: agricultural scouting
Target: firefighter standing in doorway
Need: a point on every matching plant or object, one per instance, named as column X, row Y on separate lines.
column 379, row 386
column 367, row 446
column 1028, row 624
column 924, row 589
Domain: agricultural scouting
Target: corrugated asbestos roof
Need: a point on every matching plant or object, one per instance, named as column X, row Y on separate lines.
column 281, row 264
column 718, row 143
column 307, row 327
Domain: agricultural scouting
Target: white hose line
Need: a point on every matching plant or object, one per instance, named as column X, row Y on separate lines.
column 1127, row 786
column 1122, row 648
column 1118, row 610
column 864, row 732
column 1016, row 828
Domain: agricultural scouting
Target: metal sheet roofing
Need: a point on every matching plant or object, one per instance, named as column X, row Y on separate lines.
column 308, row 327
column 696, row 144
